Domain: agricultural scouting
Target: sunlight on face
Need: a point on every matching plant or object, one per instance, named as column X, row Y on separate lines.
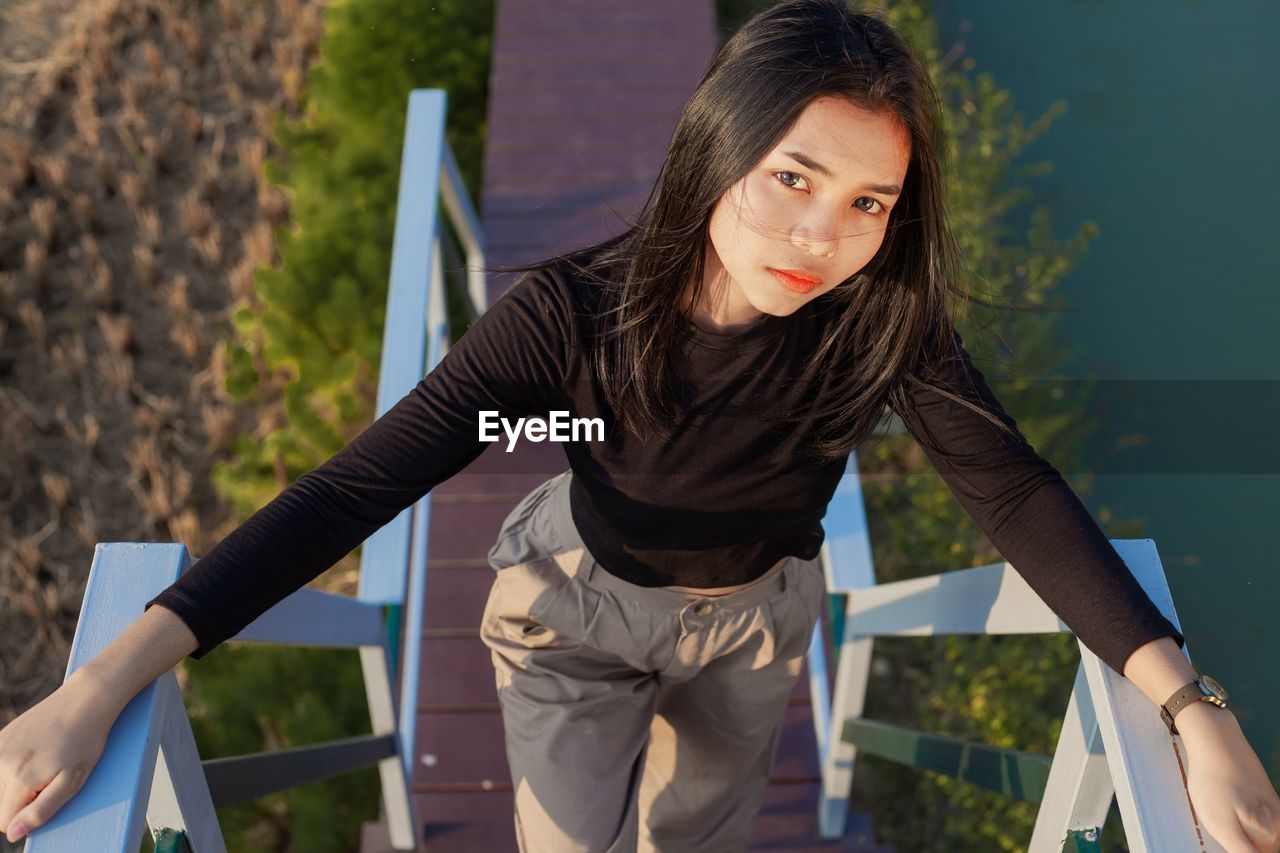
column 819, row 202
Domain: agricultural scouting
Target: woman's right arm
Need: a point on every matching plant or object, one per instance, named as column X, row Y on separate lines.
column 47, row 752
column 151, row 646
column 511, row 360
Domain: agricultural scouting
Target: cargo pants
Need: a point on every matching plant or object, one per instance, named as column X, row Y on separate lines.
column 636, row 718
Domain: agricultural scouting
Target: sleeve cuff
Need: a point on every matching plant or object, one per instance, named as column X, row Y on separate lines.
column 1116, row 652
column 186, row 610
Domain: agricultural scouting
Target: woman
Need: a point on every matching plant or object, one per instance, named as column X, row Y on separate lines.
column 652, row 606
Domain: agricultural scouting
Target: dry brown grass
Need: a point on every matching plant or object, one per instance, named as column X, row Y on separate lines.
column 133, row 213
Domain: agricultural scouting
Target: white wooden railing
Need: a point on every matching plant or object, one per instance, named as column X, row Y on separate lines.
column 1112, row 741
column 150, row 769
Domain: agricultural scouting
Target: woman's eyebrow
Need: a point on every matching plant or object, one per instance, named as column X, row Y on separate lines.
column 807, row 161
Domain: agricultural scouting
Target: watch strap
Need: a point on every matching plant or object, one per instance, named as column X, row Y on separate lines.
column 1181, row 698
column 1203, row 689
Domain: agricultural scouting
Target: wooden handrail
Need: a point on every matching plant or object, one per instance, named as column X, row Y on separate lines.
column 1111, row 744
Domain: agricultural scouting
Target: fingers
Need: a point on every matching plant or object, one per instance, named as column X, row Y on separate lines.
column 15, row 800
column 37, row 811
column 18, row 791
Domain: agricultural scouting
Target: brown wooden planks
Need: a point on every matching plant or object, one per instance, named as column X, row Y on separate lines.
column 599, row 84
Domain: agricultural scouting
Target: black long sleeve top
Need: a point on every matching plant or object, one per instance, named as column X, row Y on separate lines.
column 715, row 500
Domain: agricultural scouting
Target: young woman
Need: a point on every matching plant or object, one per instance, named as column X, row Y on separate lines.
column 791, row 275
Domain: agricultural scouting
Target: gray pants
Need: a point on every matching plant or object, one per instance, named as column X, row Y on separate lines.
column 636, row 718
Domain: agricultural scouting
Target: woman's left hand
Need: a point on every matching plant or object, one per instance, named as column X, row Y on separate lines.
column 1228, row 786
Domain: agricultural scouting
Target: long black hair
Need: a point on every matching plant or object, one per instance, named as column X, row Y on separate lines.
column 889, row 325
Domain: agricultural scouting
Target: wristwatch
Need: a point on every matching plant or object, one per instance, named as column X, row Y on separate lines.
column 1203, row 689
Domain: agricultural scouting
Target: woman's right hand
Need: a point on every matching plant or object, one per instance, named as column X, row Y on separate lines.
column 47, row 752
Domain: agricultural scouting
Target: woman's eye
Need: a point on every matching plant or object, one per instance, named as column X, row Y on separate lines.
column 873, row 206
column 779, row 176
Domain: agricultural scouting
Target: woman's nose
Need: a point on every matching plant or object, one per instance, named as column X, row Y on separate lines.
column 822, row 248
column 821, row 236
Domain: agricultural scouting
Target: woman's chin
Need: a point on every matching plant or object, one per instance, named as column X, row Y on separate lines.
column 779, row 306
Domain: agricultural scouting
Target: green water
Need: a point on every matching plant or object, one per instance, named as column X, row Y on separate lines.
column 1168, row 145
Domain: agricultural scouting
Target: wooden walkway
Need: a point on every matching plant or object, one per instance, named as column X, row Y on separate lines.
column 583, row 97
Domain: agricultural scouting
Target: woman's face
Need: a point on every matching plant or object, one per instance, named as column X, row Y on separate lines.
column 819, row 202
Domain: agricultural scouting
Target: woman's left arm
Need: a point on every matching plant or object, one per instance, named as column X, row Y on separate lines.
column 1228, row 785
column 1040, row 526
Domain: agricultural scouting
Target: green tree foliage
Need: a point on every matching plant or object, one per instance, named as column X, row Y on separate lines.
column 249, row 699
column 311, row 343
column 318, row 317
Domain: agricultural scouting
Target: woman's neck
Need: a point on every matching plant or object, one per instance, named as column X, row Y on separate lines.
column 719, row 310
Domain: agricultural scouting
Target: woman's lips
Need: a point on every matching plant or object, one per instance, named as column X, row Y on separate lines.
column 797, row 280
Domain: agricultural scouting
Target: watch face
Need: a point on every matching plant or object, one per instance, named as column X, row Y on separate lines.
column 1213, row 688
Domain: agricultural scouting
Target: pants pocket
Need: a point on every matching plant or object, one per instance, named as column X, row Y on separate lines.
column 528, row 532
column 521, row 594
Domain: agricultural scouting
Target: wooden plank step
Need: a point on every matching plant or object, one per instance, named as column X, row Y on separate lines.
column 788, row 821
